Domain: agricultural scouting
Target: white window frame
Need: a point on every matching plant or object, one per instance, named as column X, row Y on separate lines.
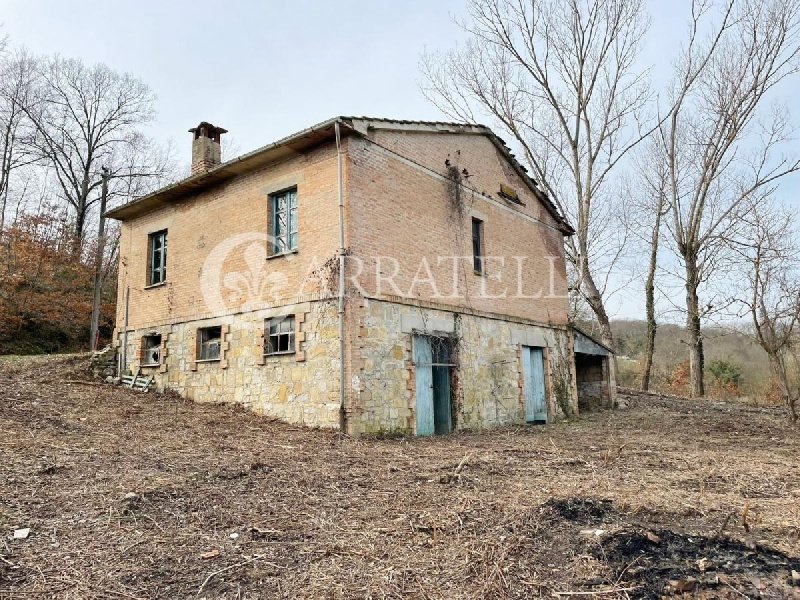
column 275, row 329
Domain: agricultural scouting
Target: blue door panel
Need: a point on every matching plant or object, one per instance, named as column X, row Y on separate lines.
column 424, row 376
column 533, row 384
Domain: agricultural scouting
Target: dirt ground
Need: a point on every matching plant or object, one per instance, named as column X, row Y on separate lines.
column 145, row 496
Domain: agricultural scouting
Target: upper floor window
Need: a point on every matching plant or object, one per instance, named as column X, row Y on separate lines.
column 477, row 245
column 283, row 221
column 157, row 258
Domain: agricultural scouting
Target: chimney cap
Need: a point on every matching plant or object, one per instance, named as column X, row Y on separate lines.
column 206, row 129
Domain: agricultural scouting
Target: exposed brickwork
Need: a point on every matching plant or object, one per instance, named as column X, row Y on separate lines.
column 403, row 211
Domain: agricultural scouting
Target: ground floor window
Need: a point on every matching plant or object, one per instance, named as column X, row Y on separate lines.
column 279, row 335
column 208, row 343
column 151, row 350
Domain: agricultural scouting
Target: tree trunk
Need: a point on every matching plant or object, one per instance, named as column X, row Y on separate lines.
column 80, row 224
column 696, row 357
column 81, row 210
column 650, row 303
column 3, row 213
column 97, row 297
column 595, row 301
column 779, row 371
column 651, row 336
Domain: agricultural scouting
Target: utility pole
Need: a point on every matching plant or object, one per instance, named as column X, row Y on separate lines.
column 98, row 265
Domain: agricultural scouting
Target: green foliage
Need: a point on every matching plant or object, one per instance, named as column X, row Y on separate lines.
column 725, row 373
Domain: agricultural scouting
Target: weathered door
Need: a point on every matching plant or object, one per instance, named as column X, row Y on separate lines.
column 533, row 384
column 441, row 399
column 423, row 357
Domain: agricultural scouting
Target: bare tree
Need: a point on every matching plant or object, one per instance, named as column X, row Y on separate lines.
column 720, row 149
column 15, row 131
column 769, row 253
column 559, row 77
column 87, row 118
column 647, row 204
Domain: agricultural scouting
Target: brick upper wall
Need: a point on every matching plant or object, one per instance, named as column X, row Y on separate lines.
column 402, row 208
column 487, row 166
column 231, row 220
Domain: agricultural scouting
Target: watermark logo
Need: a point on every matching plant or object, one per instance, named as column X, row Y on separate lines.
column 236, row 274
column 240, row 275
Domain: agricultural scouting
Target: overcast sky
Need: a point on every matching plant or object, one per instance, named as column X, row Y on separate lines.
column 264, row 69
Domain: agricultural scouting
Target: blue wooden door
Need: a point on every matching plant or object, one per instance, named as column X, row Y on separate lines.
column 533, row 384
column 423, row 358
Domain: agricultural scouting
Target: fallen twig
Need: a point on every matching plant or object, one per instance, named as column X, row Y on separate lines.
column 230, row 567
column 597, row 592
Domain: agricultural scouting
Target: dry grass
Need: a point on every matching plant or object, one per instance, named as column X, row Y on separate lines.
column 232, row 505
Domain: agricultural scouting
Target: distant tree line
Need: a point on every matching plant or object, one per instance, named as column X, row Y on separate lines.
column 676, row 185
column 61, row 123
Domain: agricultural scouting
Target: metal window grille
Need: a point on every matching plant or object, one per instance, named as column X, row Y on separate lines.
column 442, row 351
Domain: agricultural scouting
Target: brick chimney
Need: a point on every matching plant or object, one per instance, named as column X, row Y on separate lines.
column 206, row 149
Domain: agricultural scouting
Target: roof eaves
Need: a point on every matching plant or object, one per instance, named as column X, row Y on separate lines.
column 563, row 224
column 592, row 338
column 363, row 124
column 222, row 172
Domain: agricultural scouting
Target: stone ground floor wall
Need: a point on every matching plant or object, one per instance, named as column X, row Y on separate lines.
column 487, row 384
column 303, row 387
column 300, row 388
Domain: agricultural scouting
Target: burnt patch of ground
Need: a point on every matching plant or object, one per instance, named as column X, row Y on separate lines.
column 146, row 496
column 716, row 567
column 584, row 511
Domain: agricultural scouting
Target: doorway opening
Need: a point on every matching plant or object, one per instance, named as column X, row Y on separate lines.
column 591, row 374
column 434, row 363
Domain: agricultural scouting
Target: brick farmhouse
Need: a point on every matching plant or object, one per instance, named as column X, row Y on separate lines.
column 375, row 275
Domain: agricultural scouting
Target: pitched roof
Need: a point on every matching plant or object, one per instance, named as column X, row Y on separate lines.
column 583, row 347
column 310, row 137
